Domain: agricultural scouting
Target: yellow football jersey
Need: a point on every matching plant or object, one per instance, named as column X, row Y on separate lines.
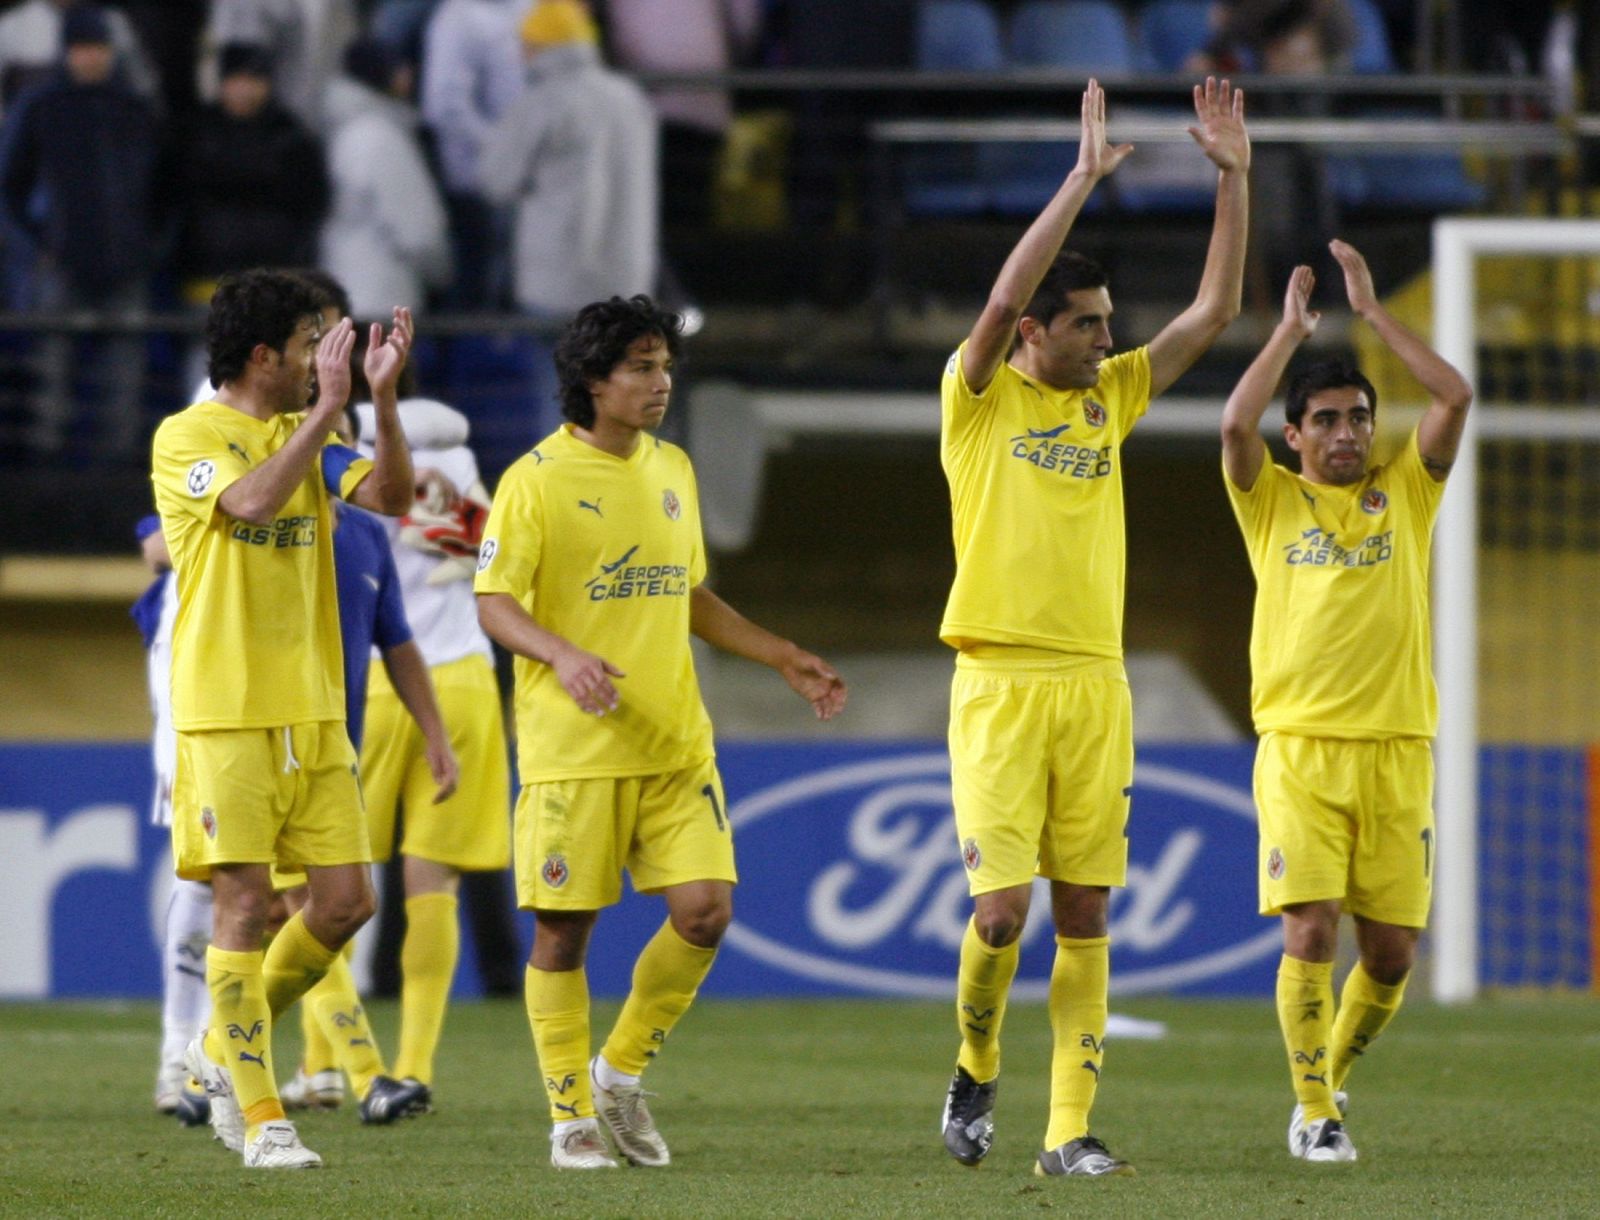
column 256, row 640
column 603, row 551
column 1340, row 645
column 1035, row 479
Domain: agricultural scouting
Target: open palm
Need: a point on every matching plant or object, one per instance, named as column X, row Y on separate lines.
column 386, row 357
column 1220, row 130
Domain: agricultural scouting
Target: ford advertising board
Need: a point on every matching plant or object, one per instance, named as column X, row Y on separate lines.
column 851, row 877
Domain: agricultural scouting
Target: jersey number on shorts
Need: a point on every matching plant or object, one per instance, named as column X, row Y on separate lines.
column 710, row 794
column 1427, row 852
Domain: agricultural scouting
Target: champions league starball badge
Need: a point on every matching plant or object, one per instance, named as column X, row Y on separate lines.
column 670, row 504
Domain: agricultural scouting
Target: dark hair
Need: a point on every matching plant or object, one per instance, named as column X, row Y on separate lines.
column 597, row 340
column 1334, row 373
column 373, row 62
column 253, row 307
column 329, row 291
column 352, row 419
column 1071, row 272
column 248, row 58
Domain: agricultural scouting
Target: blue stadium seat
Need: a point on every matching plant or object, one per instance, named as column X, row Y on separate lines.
column 1169, row 31
column 952, row 36
column 1088, row 35
column 1415, row 181
column 1091, row 35
column 1371, row 52
column 1420, row 180
column 958, row 36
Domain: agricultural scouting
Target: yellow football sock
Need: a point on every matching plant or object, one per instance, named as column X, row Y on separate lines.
column 240, row 1037
column 295, row 961
column 1305, row 1014
column 1078, row 983
column 982, row 985
column 558, row 1013
column 317, row 1055
column 1365, row 1007
column 343, row 1019
column 665, row 979
column 427, row 968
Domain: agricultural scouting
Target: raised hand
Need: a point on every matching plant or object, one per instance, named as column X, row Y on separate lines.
column 333, row 367
column 815, row 681
column 1298, row 315
column 1357, row 278
column 1220, row 132
column 387, row 356
column 587, row 678
column 1096, row 157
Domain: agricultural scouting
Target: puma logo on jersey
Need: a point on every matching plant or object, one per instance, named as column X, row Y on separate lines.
column 593, row 508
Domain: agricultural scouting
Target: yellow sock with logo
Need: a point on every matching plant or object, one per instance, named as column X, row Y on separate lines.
column 240, row 1038
column 1305, row 1014
column 558, row 1013
column 427, row 968
column 1078, row 985
column 1365, row 1007
column 982, row 984
column 295, row 962
column 665, row 979
column 343, row 1018
column 317, row 1055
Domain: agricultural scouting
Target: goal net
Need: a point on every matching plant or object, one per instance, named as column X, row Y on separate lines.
column 1516, row 306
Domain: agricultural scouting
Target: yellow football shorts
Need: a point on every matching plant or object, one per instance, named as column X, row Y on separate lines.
column 1041, row 765
column 575, row 836
column 471, row 830
column 255, row 796
column 1351, row 820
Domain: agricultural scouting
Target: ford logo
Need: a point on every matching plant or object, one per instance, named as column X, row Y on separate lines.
column 854, row 879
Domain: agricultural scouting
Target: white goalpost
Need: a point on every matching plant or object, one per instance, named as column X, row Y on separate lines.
column 1457, row 245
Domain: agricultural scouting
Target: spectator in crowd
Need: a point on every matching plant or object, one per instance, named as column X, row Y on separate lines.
column 1280, row 38
column 386, row 237
column 306, row 39
column 78, row 169
column 685, row 36
column 577, row 154
column 30, row 47
column 471, row 73
column 254, row 185
column 30, row 52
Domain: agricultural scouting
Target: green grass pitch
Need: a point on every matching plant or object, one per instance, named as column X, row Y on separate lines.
column 831, row 1109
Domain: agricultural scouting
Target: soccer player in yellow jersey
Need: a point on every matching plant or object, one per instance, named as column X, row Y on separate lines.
column 1342, row 684
column 265, row 770
column 591, row 572
column 1035, row 410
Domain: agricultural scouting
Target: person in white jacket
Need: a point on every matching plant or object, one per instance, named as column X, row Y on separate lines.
column 386, row 237
column 577, row 154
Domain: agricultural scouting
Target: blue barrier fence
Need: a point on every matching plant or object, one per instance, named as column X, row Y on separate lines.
column 851, row 881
